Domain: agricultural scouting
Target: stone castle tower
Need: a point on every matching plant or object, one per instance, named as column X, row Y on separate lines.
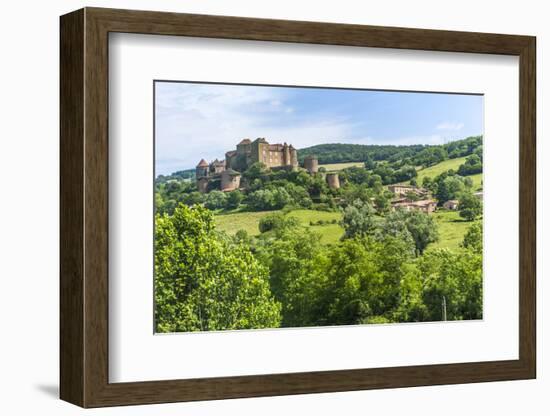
column 311, row 164
column 333, row 180
column 201, row 174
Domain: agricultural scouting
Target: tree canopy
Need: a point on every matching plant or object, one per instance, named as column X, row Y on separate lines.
column 206, row 281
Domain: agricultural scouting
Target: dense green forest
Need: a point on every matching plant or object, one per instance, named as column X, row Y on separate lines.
column 382, row 268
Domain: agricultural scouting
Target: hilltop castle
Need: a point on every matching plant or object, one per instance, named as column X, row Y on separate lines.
column 225, row 174
column 272, row 155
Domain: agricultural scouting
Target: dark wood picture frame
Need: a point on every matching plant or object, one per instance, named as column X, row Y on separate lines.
column 84, row 207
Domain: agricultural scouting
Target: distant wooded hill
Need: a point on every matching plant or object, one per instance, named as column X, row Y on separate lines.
column 418, row 154
column 187, row 174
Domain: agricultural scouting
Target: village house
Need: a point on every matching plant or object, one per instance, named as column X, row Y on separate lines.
column 451, row 204
column 427, row 205
column 402, row 190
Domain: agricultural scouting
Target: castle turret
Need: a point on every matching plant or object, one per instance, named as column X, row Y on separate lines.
column 311, row 164
column 333, row 180
column 286, row 155
column 201, row 170
column 293, row 156
column 201, row 174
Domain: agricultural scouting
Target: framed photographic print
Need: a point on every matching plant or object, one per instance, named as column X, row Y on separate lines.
column 255, row 207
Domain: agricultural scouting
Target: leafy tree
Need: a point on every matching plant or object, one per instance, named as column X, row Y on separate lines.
column 423, row 229
column 241, row 236
column 411, row 306
column 471, row 166
column 382, row 201
column 215, row 200
column 234, row 199
column 296, row 261
column 277, row 221
column 356, row 175
column 448, row 187
column 364, row 278
column 205, row 281
column 255, row 171
column 268, row 199
column 395, row 225
column 359, row 220
column 469, row 206
column 405, row 173
column 468, row 182
column 473, row 239
column 452, row 284
column 193, row 198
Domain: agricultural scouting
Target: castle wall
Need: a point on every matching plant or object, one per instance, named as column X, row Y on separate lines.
column 311, row 164
column 201, row 171
column 202, row 184
column 230, row 181
column 293, row 157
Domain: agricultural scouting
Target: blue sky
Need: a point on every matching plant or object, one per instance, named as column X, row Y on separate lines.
column 195, row 121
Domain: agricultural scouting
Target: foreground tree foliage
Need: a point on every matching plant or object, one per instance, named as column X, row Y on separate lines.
column 204, row 280
column 381, row 272
column 360, row 219
column 469, row 206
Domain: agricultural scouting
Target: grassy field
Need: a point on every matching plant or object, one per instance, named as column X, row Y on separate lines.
column 444, row 166
column 248, row 221
column 332, row 167
column 451, row 229
column 478, row 185
column 330, row 233
column 233, row 222
column 438, row 169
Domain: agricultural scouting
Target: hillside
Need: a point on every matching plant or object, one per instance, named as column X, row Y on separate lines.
column 340, row 152
column 188, row 174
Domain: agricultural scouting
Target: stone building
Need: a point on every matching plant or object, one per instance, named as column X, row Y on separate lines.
column 225, row 174
column 311, row 164
column 230, row 180
column 451, row 204
column 217, row 166
column 402, row 190
column 428, row 205
column 272, row 155
column 202, row 169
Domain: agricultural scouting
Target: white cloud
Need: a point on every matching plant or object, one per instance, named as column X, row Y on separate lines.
column 205, row 121
column 451, row 126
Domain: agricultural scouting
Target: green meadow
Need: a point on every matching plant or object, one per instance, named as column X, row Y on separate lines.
column 444, row 166
column 451, row 229
column 451, row 226
column 330, row 233
column 333, row 167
